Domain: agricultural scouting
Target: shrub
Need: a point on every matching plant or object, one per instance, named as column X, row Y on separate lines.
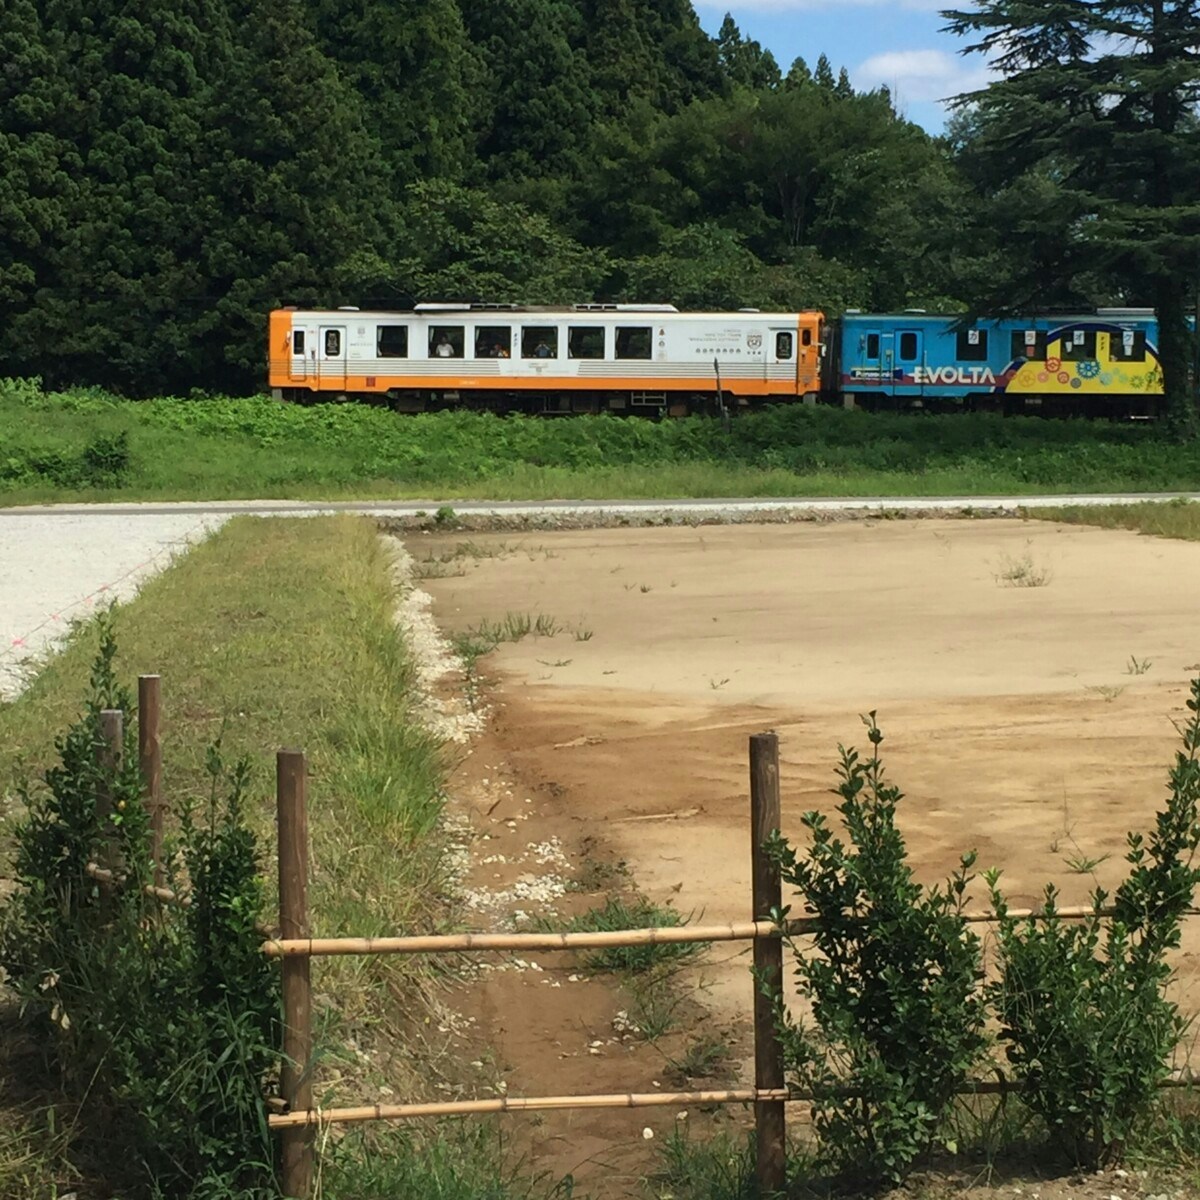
column 161, row 1022
column 895, row 986
column 1084, row 1017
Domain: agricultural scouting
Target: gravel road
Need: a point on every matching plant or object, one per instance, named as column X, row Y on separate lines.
column 57, row 568
column 57, row 562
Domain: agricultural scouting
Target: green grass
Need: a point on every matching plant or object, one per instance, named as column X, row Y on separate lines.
column 85, row 445
column 1172, row 519
column 277, row 633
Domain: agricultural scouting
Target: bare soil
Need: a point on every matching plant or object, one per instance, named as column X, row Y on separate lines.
column 1014, row 720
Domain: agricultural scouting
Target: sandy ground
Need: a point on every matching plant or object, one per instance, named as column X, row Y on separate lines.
column 1012, row 717
column 55, row 568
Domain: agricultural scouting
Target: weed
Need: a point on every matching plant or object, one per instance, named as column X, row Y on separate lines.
column 718, row 1168
column 546, row 626
column 583, row 635
column 617, row 914
column 1083, row 865
column 644, row 588
column 655, row 1000
column 717, row 684
column 597, row 874
column 556, row 662
column 702, row 1058
column 1022, row 572
column 446, row 518
column 1137, row 666
column 1106, row 692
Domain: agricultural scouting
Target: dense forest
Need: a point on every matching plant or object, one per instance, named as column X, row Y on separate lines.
column 170, row 170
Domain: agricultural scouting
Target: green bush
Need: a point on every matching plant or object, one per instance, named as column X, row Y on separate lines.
column 895, row 986
column 160, row 1022
column 1085, row 1020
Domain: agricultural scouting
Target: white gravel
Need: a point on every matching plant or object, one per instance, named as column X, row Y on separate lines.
column 58, row 568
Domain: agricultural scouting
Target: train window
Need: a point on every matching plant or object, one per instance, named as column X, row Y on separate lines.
column 872, row 345
column 908, row 347
column 391, row 341
column 585, row 341
column 1127, row 346
column 783, row 346
column 298, row 342
column 1029, row 344
column 634, row 341
column 539, row 341
column 972, row 345
column 333, row 343
column 446, row 341
column 1079, row 345
column 493, row 341
column 806, row 337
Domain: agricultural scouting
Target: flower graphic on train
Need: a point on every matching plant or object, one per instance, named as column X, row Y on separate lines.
column 1064, row 377
column 1088, row 369
column 1052, row 365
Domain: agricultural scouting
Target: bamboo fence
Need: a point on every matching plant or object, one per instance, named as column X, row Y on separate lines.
column 294, row 946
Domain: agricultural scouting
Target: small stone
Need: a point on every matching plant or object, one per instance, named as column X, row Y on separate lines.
column 682, row 1116
column 648, row 1134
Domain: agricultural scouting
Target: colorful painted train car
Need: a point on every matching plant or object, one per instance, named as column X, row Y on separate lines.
column 586, row 358
column 656, row 360
column 1102, row 364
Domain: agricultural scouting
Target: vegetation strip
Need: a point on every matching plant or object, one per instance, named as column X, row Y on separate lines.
column 91, row 446
column 269, row 633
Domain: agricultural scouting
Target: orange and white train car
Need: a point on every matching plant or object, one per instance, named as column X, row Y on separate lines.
column 585, row 358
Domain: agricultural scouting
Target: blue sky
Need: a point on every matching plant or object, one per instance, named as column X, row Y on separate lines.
column 896, row 42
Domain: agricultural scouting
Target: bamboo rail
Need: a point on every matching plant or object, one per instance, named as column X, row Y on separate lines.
column 501, row 1104
column 730, row 931
column 505, row 1104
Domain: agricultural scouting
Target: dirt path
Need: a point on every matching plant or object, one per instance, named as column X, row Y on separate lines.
column 1014, row 718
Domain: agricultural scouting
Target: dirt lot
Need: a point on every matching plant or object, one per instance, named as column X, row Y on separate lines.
column 1014, row 717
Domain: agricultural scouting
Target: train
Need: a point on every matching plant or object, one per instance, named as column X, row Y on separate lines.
column 654, row 359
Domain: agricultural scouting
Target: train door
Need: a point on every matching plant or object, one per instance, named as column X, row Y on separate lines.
column 300, row 348
column 331, row 356
column 779, row 363
column 910, row 355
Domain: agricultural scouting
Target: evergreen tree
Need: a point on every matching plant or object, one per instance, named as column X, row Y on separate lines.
column 537, row 108
column 743, row 60
column 1098, row 102
column 293, row 192
column 824, row 75
column 648, row 49
column 798, row 74
column 413, row 66
column 843, row 88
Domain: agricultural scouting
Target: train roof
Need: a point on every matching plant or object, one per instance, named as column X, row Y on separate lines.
column 920, row 314
column 446, row 309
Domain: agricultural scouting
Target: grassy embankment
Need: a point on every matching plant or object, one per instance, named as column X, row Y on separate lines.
column 1174, row 519
column 276, row 633
column 84, row 445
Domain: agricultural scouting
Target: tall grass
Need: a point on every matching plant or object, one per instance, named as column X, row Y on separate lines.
column 272, row 633
column 88, row 445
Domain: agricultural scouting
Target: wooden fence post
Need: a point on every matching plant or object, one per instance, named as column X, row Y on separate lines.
column 150, row 761
column 292, row 815
column 770, row 1135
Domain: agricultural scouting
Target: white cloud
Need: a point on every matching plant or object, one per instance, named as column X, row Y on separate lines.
column 919, row 76
column 932, row 6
